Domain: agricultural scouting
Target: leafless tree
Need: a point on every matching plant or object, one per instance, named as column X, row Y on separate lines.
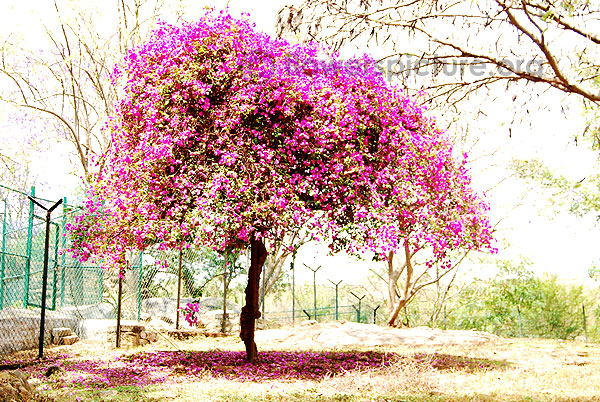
column 67, row 78
column 457, row 47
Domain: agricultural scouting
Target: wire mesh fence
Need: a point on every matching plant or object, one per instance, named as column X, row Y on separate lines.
column 366, row 315
column 76, row 292
column 22, row 261
column 79, row 293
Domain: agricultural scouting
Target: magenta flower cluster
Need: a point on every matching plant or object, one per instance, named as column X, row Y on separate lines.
column 217, row 140
column 191, row 313
column 234, row 365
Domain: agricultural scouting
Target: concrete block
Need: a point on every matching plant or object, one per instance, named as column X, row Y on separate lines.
column 128, row 328
column 60, row 332
column 69, row 340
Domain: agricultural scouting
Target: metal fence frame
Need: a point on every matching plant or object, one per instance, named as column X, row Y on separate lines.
column 73, row 284
column 60, row 264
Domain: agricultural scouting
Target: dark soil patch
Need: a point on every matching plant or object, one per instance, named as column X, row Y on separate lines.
column 440, row 361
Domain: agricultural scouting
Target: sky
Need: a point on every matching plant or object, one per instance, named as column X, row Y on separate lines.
column 554, row 243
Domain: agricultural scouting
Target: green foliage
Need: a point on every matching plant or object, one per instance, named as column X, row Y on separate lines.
column 561, row 316
column 212, row 269
column 518, row 302
column 201, row 269
column 594, row 271
column 581, row 197
column 592, row 115
column 572, row 6
column 494, row 306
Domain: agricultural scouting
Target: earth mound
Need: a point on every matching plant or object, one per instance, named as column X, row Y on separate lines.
column 340, row 333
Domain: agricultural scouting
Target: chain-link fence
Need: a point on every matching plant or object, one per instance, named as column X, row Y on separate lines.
column 365, row 315
column 84, row 297
column 70, row 284
column 79, row 296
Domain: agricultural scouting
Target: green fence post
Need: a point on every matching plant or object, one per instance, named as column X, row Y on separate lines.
column 336, row 297
column 139, row 304
column 520, row 321
column 3, row 262
column 55, row 279
column 101, row 285
column 28, row 253
column 314, row 288
column 62, row 258
column 293, row 287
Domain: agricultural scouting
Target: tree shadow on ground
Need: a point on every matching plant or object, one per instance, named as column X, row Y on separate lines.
column 441, row 362
column 149, row 368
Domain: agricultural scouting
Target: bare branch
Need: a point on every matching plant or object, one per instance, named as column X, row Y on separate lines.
column 339, row 23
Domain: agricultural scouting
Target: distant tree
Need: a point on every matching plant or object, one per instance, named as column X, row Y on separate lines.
column 580, row 196
column 200, row 267
column 279, row 250
column 66, row 80
column 227, row 138
column 517, row 302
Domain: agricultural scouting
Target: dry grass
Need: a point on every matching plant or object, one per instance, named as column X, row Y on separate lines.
column 404, row 378
column 540, row 370
column 535, row 370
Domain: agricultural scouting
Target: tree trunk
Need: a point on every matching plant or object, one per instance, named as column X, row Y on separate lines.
column 251, row 311
column 399, row 306
column 392, row 282
column 407, row 289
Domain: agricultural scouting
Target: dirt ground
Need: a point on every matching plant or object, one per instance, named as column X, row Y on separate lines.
column 306, row 335
column 477, row 365
column 343, row 334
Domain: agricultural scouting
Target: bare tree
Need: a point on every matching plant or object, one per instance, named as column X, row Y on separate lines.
column 68, row 78
column 548, row 42
column 14, row 172
column 406, row 277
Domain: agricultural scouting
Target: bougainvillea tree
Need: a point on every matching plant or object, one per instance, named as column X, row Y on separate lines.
column 446, row 220
column 226, row 137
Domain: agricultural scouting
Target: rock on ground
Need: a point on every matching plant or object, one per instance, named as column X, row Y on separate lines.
column 15, row 388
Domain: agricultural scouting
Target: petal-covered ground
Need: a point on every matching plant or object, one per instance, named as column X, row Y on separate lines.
column 148, row 368
column 142, row 369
